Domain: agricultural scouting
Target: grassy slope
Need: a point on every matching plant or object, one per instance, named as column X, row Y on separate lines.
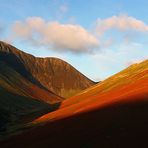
column 15, row 108
column 15, row 83
column 128, row 82
column 127, row 76
column 21, row 100
column 115, row 118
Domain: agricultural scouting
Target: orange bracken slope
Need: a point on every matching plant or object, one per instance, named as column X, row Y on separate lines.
column 122, row 87
column 112, row 114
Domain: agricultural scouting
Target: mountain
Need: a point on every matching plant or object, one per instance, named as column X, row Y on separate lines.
column 128, row 76
column 125, row 84
column 21, row 100
column 15, row 83
column 51, row 74
column 16, row 110
column 27, row 86
column 110, row 114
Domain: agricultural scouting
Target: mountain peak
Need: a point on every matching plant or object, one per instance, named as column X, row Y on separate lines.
column 51, row 73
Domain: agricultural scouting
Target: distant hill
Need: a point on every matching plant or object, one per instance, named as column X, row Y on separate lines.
column 51, row 74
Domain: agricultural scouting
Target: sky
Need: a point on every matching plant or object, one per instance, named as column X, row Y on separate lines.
column 97, row 37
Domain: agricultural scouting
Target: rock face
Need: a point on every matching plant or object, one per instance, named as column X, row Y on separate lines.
column 51, row 74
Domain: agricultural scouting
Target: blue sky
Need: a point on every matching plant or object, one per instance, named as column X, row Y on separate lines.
column 97, row 37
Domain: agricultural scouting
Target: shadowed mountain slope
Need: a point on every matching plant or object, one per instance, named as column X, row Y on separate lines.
column 112, row 114
column 116, row 125
column 49, row 73
column 15, row 83
column 16, row 108
column 20, row 100
column 27, row 84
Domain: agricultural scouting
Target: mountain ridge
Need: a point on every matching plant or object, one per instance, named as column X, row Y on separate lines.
column 23, row 90
column 53, row 74
column 109, row 87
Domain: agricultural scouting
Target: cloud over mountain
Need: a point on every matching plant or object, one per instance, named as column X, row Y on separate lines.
column 74, row 38
column 62, row 37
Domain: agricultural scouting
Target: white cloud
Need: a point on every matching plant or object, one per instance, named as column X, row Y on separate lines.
column 62, row 11
column 122, row 23
column 62, row 37
column 63, row 8
column 111, row 61
column 131, row 62
column 74, row 38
